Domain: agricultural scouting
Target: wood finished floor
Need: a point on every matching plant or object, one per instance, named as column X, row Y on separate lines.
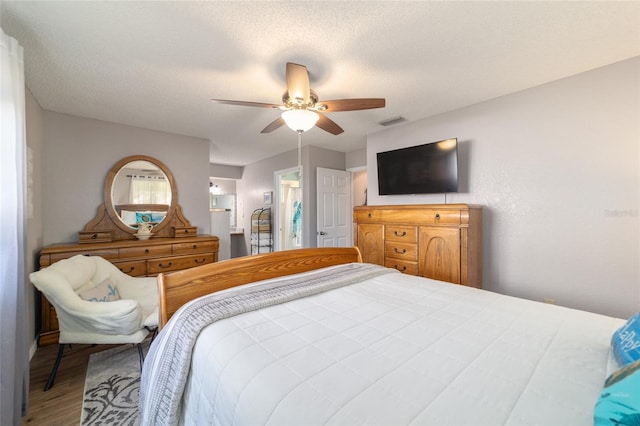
column 62, row 404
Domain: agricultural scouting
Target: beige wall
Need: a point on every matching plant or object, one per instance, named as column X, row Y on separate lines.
column 78, row 153
column 557, row 169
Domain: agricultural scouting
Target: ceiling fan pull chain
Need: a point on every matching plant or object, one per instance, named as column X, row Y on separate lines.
column 300, row 153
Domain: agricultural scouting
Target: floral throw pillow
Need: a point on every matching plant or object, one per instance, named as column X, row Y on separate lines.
column 104, row 291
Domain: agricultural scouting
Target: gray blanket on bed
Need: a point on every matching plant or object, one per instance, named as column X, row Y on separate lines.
column 167, row 364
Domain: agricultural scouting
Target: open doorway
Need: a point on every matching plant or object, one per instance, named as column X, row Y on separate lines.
column 223, row 207
column 288, row 209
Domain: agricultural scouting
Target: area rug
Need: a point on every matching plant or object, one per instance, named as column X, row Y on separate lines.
column 112, row 387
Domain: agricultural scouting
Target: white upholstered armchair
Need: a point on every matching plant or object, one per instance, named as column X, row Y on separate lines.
column 96, row 303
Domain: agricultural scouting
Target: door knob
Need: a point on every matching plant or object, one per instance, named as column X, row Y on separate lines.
column 322, row 233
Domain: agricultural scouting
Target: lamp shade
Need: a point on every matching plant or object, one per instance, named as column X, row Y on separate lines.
column 300, row 120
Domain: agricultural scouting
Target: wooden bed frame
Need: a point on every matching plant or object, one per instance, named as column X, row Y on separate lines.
column 178, row 288
column 142, row 208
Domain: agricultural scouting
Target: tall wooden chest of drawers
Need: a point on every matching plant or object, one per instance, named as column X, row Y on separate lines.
column 439, row 241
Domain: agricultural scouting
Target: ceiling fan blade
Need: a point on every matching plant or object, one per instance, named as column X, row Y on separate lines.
column 245, row 103
column 273, row 125
column 351, row 104
column 298, row 82
column 328, row 125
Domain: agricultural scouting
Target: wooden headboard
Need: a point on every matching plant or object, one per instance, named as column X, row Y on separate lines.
column 178, row 288
column 141, row 207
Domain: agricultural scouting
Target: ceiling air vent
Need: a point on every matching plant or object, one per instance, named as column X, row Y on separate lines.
column 391, row 121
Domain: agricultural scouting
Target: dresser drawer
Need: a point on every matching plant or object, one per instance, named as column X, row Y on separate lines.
column 135, row 268
column 51, row 318
column 146, row 251
column 109, row 254
column 365, row 216
column 193, row 247
column 155, row 266
column 401, row 251
column 94, row 237
column 403, row 266
column 402, row 234
column 185, row 231
column 444, row 217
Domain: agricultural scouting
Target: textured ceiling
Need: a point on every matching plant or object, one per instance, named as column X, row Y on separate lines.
column 156, row 65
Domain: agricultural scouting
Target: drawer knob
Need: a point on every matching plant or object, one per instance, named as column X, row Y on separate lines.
column 437, row 216
column 94, row 236
column 403, row 251
column 195, row 246
column 168, row 265
column 404, row 268
column 200, row 261
column 398, row 234
column 146, row 251
column 186, row 231
column 369, row 215
column 129, row 271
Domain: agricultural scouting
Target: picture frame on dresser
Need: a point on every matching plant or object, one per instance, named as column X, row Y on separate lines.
column 174, row 244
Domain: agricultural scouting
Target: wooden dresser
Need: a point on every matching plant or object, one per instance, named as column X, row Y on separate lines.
column 439, row 241
column 133, row 257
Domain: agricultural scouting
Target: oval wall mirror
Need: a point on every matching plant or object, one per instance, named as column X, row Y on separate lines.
column 140, row 190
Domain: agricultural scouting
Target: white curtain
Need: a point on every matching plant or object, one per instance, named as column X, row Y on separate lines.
column 149, row 190
column 14, row 352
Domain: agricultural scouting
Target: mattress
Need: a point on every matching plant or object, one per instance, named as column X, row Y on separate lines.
column 398, row 349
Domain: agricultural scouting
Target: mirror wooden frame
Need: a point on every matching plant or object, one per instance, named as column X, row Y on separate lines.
column 108, row 193
column 107, row 226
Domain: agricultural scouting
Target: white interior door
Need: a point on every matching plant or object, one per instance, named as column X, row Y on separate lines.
column 334, row 208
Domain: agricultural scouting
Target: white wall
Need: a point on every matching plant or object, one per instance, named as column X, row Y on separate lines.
column 556, row 168
column 79, row 152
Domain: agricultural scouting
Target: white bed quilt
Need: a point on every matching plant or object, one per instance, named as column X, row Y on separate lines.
column 399, row 349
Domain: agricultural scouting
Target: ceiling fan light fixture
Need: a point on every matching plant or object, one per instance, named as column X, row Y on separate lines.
column 300, row 120
column 302, row 109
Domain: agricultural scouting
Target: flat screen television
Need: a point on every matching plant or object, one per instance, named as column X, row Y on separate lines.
column 431, row 168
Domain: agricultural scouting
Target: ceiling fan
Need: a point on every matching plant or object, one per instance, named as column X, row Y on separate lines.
column 302, row 107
